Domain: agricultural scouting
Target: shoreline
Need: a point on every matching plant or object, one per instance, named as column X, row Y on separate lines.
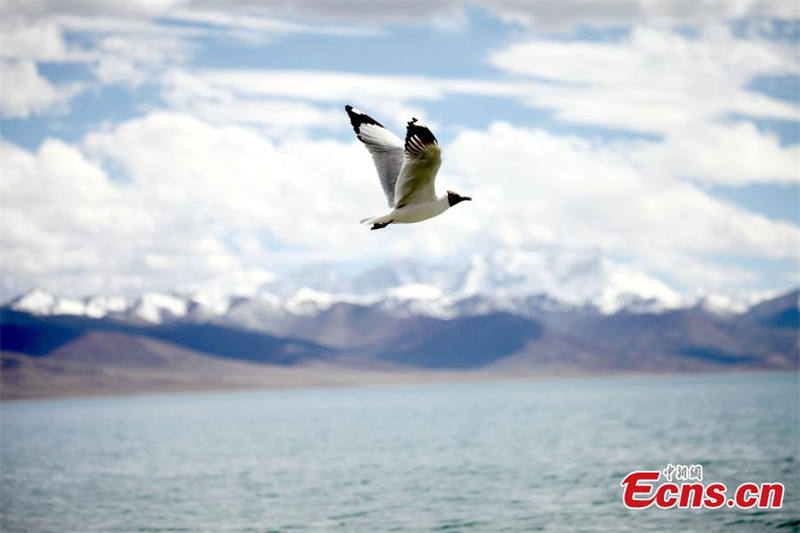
column 306, row 378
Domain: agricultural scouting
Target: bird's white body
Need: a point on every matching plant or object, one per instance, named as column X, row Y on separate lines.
column 412, row 212
column 407, row 171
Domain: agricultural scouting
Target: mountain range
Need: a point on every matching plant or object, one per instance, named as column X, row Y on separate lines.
column 498, row 315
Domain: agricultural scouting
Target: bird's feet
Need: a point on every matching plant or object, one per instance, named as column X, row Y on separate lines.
column 376, row 225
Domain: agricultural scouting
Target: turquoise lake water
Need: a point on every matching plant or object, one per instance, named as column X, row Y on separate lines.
column 519, row 456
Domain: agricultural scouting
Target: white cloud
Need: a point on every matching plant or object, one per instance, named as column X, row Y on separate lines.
column 560, row 13
column 255, row 26
column 276, row 117
column 125, row 48
column 295, row 98
column 134, row 41
column 684, row 88
column 544, row 13
column 650, row 82
column 208, row 204
column 131, row 59
column 654, row 80
column 132, row 9
column 698, row 273
column 228, row 185
column 25, row 92
column 39, row 40
column 353, row 11
column 240, row 183
column 731, row 154
column 55, row 203
column 590, row 196
column 203, row 203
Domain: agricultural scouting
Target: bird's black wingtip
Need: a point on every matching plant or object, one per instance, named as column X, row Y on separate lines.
column 420, row 132
column 358, row 117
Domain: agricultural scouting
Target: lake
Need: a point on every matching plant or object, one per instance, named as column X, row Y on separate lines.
column 510, row 456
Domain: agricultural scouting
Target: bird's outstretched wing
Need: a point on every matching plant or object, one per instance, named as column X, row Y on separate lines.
column 386, row 148
column 422, row 160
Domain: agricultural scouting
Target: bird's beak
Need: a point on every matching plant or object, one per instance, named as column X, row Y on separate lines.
column 467, row 198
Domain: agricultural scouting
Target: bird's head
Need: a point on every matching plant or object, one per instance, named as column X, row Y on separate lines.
column 453, row 198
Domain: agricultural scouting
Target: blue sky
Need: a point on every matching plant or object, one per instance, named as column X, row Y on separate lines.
column 162, row 145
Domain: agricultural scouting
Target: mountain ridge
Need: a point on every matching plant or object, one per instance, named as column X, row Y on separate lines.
column 501, row 281
column 415, row 330
column 374, row 333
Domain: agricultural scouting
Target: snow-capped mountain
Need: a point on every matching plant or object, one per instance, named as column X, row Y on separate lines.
column 40, row 302
column 522, row 283
column 507, row 313
column 157, row 307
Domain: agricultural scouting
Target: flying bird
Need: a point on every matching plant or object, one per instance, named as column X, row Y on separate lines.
column 407, row 170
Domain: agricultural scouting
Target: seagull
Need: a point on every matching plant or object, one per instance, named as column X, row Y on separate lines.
column 407, row 171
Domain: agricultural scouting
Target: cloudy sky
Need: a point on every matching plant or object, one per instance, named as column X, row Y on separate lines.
column 182, row 144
